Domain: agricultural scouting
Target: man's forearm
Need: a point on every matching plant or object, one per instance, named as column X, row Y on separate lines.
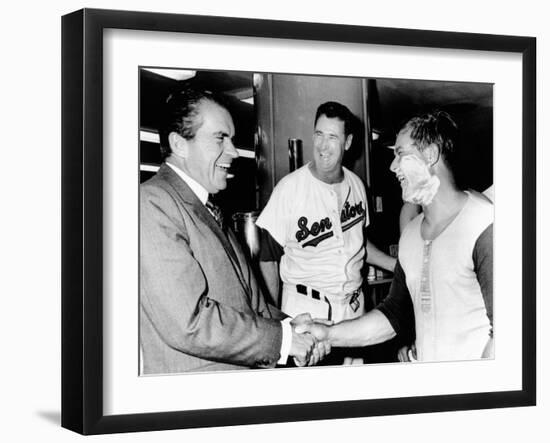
column 370, row 329
column 378, row 258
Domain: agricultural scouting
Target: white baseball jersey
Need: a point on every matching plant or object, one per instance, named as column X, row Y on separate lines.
column 320, row 226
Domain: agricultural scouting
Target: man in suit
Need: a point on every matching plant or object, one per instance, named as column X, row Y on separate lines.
column 200, row 306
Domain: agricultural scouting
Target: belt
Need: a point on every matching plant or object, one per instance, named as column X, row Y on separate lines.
column 303, row 290
column 316, row 295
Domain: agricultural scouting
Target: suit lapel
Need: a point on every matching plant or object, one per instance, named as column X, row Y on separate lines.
column 200, row 211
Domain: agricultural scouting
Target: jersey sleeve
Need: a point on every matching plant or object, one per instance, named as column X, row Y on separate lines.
column 398, row 307
column 270, row 250
column 274, row 217
column 483, row 267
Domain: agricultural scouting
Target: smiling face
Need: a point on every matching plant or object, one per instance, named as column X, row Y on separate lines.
column 406, row 154
column 329, row 144
column 208, row 155
column 412, row 170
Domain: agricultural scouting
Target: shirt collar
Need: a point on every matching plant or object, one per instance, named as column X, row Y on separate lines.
column 195, row 186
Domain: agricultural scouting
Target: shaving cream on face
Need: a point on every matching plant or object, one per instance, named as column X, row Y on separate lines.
column 420, row 186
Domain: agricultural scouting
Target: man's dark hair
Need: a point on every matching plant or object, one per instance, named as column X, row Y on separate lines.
column 435, row 127
column 339, row 111
column 180, row 115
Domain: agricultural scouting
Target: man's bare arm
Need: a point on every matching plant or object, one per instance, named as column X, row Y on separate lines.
column 378, row 258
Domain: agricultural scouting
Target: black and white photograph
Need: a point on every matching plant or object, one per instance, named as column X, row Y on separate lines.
column 290, row 221
column 218, row 218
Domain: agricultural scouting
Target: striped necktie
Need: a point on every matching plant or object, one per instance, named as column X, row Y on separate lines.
column 215, row 211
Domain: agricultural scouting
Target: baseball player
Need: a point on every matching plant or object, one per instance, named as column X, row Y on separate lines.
column 314, row 226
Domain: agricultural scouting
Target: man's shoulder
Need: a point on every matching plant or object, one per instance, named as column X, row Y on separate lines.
column 285, row 196
column 153, row 185
column 477, row 215
column 480, row 206
column 354, row 179
column 157, row 190
column 293, row 179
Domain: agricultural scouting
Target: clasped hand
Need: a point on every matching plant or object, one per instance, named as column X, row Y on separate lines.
column 309, row 340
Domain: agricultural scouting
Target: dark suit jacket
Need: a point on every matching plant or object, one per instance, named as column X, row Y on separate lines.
column 200, row 306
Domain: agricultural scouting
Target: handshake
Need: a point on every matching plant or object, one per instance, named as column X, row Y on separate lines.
column 310, row 340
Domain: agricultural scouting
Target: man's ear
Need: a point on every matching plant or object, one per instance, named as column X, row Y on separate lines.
column 178, row 144
column 349, row 140
column 431, row 154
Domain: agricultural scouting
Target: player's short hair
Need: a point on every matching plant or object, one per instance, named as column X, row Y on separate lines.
column 436, row 127
column 336, row 110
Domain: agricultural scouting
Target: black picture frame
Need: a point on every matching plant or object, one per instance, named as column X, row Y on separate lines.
column 82, row 219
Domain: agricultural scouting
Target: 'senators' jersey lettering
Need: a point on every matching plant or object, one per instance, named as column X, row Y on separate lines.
column 320, row 227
